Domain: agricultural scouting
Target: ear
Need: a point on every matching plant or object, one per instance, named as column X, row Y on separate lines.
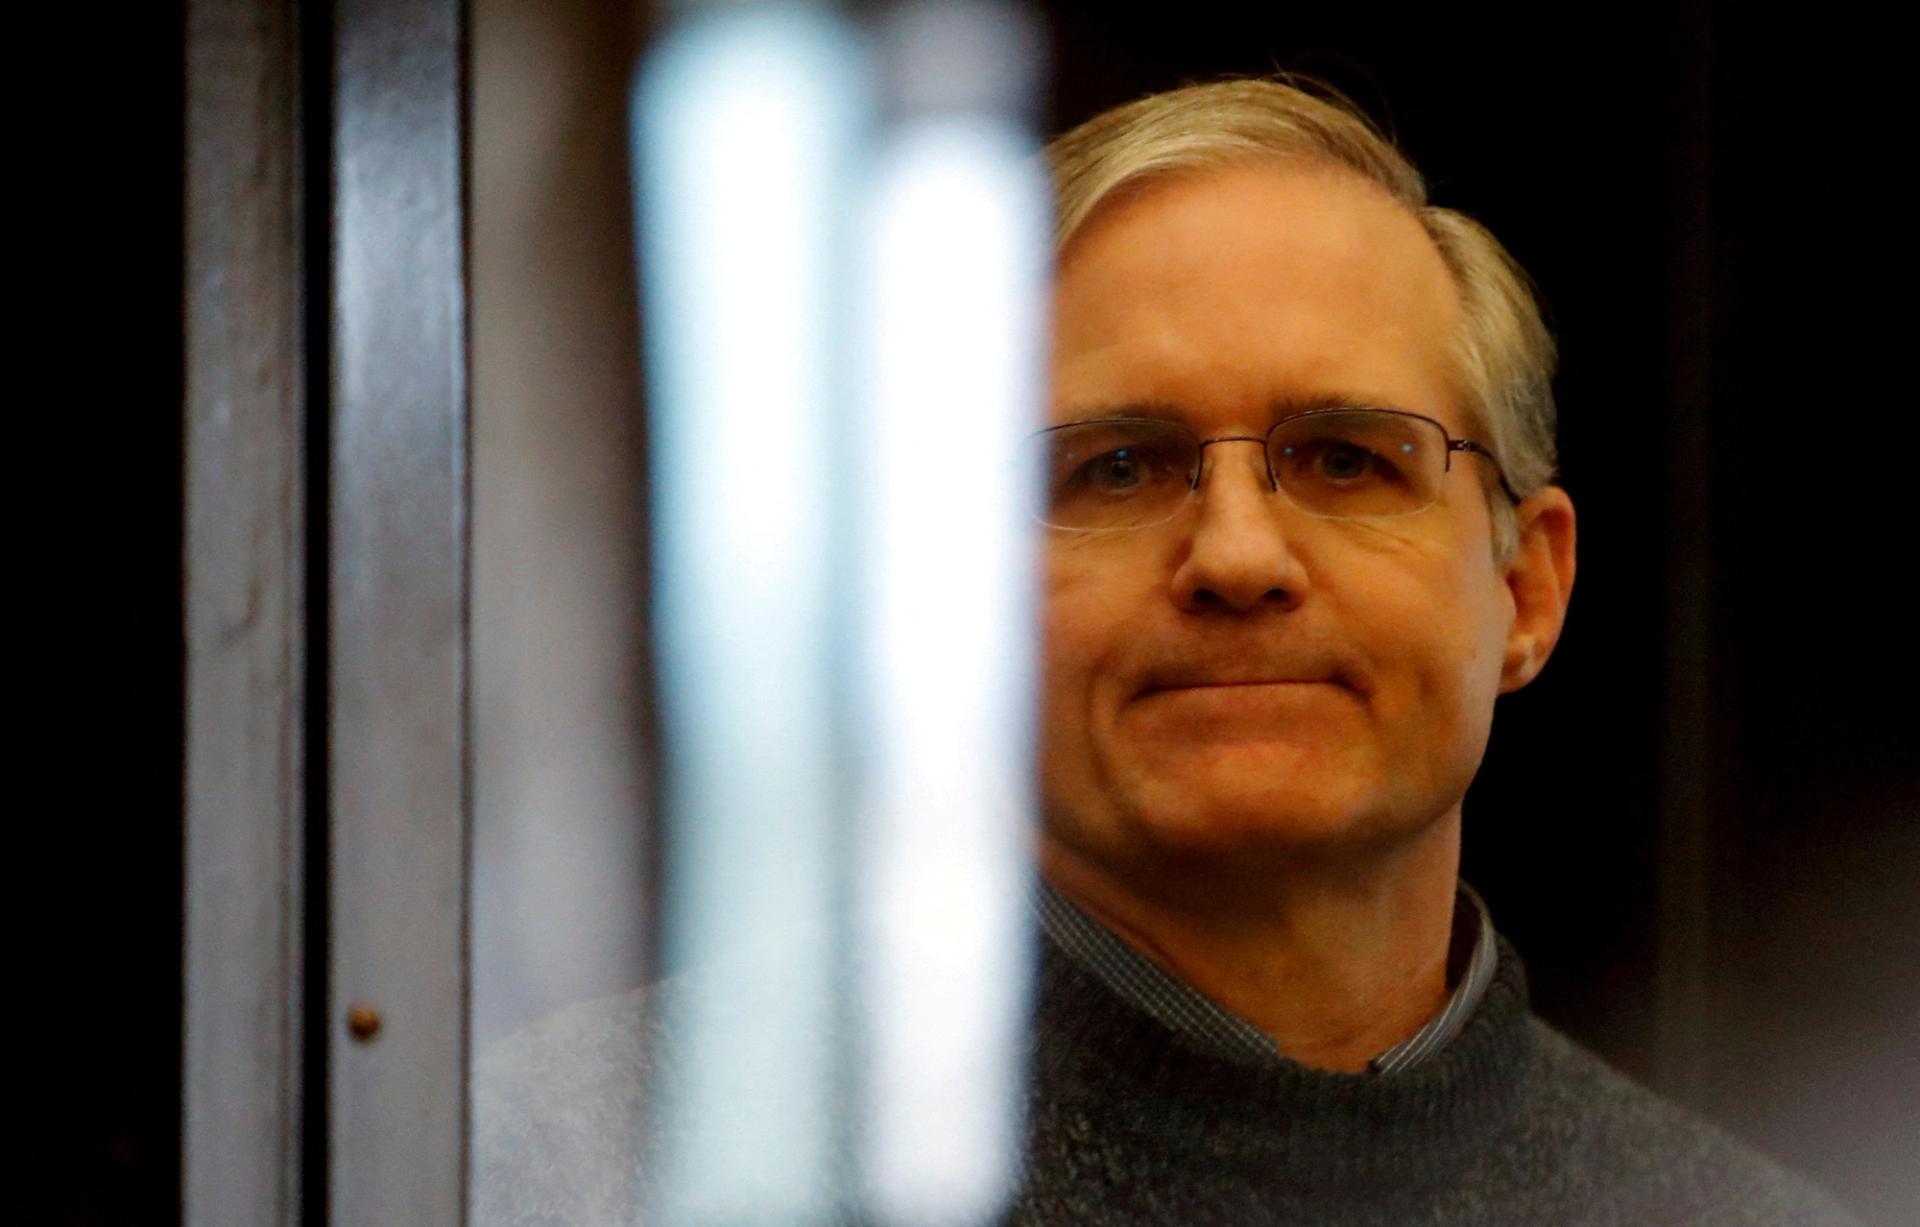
column 1539, row 577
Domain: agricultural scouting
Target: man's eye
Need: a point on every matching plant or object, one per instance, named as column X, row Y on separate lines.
column 1115, row 472
column 1340, row 464
column 1347, row 462
column 1118, row 470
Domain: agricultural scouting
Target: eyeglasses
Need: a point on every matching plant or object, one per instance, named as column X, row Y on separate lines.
column 1340, row 464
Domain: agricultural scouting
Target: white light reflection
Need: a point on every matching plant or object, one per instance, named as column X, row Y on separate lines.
column 745, row 123
column 955, row 255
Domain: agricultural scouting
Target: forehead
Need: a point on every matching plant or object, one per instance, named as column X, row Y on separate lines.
column 1218, row 294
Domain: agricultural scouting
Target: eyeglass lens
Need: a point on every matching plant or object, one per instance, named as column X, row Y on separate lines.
column 1132, row 473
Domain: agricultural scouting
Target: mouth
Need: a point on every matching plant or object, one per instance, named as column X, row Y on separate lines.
column 1229, row 685
column 1248, row 671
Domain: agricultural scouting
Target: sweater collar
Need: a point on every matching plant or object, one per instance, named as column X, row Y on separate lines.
column 1104, row 1066
column 1197, row 1018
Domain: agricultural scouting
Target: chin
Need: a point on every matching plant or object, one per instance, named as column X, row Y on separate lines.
column 1225, row 806
column 1217, row 852
column 1252, row 825
column 1257, row 790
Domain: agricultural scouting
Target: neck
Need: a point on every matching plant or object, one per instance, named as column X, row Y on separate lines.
column 1337, row 958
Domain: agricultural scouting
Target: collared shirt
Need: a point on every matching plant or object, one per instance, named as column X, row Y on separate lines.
column 1148, row 987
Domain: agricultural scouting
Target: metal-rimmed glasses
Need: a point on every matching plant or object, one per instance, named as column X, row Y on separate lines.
column 1110, row 474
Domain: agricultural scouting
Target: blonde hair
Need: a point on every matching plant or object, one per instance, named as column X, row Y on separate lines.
column 1503, row 353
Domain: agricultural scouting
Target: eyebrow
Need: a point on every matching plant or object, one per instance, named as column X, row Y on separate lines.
column 1278, row 409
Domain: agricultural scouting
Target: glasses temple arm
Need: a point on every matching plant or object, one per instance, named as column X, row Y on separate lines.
column 1468, row 445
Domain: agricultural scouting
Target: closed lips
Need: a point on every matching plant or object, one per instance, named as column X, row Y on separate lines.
column 1160, row 686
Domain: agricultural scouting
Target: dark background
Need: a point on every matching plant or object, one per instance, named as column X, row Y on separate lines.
column 1699, row 827
column 96, row 452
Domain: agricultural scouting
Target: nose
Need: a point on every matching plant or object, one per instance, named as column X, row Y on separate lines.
column 1239, row 556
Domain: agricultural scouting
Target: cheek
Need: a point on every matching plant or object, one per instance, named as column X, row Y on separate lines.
column 1465, row 680
column 1090, row 619
column 1084, row 611
column 1074, row 633
column 1438, row 656
column 1073, row 628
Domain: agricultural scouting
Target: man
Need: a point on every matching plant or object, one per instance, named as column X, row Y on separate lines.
column 1301, row 534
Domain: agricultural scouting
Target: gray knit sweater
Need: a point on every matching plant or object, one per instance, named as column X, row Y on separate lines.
column 1512, row 1125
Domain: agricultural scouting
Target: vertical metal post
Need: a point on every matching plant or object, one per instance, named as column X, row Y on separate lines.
column 397, row 615
column 245, row 619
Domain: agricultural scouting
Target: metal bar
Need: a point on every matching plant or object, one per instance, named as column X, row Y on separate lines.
column 398, row 635
column 245, row 618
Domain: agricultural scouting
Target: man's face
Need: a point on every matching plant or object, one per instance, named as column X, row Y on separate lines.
column 1247, row 678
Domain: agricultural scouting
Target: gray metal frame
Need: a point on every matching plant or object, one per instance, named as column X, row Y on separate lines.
column 397, row 609
column 245, row 622
column 378, row 645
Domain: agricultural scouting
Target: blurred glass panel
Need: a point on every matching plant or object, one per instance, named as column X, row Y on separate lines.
column 841, row 246
column 745, row 126
column 953, row 256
